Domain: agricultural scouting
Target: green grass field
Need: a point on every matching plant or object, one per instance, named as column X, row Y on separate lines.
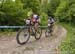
column 68, row 45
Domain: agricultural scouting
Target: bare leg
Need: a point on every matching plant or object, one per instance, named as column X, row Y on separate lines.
column 36, row 26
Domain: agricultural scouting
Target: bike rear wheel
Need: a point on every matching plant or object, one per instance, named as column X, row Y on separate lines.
column 23, row 36
column 48, row 32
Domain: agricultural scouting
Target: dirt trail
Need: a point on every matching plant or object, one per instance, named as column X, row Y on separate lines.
column 45, row 45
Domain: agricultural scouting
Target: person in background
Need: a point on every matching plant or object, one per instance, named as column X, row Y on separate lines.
column 51, row 22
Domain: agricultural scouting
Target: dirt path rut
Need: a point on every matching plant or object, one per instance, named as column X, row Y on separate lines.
column 45, row 45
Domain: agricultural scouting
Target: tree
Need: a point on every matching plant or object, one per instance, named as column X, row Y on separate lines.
column 11, row 13
column 31, row 4
column 52, row 6
column 66, row 11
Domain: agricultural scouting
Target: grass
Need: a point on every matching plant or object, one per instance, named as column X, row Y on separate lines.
column 68, row 45
column 29, row 48
column 6, row 33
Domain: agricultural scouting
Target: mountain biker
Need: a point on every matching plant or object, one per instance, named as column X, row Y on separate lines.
column 35, row 20
column 51, row 22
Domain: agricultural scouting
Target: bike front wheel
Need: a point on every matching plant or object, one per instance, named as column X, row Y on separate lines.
column 38, row 33
column 48, row 32
column 23, row 36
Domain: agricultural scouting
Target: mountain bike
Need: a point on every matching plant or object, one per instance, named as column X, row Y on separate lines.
column 49, row 30
column 24, row 34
